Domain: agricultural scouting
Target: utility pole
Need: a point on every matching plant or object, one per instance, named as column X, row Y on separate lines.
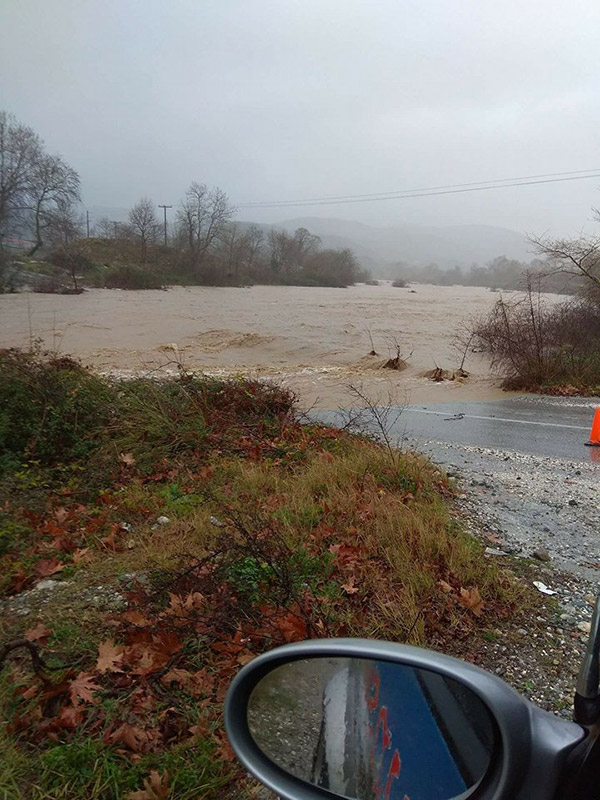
column 164, row 208
column 87, row 222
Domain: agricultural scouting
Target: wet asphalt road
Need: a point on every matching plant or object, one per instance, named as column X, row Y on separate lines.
column 553, row 427
column 526, row 477
column 543, row 426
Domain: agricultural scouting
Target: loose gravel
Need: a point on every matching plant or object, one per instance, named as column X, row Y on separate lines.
column 540, row 517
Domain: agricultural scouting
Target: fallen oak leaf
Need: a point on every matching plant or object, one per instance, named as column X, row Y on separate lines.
column 83, row 687
column 471, row 600
column 156, row 787
column 292, row 627
column 131, row 736
column 82, row 555
column 349, row 587
column 199, row 730
column 70, row 717
column 18, row 580
column 60, row 514
column 127, row 459
column 47, row 567
column 135, row 618
column 110, row 657
column 445, row 587
column 38, row 634
column 223, row 751
column 27, row 694
column 182, row 677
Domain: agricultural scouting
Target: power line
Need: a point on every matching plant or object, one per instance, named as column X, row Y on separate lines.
column 456, row 188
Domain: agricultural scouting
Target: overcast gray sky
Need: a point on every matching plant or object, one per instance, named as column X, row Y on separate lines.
column 287, row 99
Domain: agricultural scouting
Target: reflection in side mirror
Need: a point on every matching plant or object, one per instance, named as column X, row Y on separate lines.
column 368, row 729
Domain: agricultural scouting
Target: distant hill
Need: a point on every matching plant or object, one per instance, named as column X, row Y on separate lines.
column 379, row 248
column 448, row 246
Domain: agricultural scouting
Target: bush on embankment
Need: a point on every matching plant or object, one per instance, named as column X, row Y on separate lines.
column 537, row 345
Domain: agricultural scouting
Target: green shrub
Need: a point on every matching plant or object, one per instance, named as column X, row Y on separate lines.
column 51, row 409
column 55, row 411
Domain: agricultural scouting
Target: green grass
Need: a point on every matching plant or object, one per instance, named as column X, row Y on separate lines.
column 87, row 768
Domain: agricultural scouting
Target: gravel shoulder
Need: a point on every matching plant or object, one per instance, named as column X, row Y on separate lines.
column 540, row 517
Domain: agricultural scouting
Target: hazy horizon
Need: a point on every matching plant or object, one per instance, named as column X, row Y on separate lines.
column 284, row 101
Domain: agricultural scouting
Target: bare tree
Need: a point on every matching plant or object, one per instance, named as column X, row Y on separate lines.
column 105, row 228
column 20, row 148
column 232, row 244
column 305, row 244
column 203, row 216
column 254, row 240
column 579, row 258
column 64, row 222
column 53, row 187
column 278, row 249
column 289, row 254
column 144, row 224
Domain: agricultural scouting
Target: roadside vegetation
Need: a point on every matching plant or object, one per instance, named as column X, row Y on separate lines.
column 158, row 534
column 541, row 345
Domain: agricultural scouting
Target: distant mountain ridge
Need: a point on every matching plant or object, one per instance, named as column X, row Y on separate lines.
column 448, row 246
column 379, row 248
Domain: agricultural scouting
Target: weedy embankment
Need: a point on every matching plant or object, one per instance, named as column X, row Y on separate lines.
column 156, row 535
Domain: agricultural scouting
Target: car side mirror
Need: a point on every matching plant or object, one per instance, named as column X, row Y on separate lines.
column 369, row 720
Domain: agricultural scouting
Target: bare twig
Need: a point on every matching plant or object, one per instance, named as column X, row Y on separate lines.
column 37, row 662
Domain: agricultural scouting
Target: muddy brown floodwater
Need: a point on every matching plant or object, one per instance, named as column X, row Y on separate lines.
column 316, row 340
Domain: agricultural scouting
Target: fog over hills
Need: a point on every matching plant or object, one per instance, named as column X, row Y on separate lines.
column 379, row 248
column 447, row 245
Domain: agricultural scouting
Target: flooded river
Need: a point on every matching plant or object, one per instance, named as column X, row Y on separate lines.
column 316, row 340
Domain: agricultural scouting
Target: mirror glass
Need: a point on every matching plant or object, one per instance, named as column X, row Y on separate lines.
column 373, row 730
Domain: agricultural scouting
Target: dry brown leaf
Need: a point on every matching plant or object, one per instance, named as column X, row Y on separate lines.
column 292, row 627
column 135, row 618
column 38, row 634
column 70, row 717
column 349, row 587
column 223, row 751
column 471, row 600
column 47, row 567
column 110, row 657
column 82, row 555
column 199, row 730
column 60, row 514
column 445, row 587
column 156, row 787
column 182, row 677
column 82, row 688
column 131, row 736
column 29, row 693
column 127, row 459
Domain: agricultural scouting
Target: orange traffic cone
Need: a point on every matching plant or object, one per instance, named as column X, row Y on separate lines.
column 595, row 433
